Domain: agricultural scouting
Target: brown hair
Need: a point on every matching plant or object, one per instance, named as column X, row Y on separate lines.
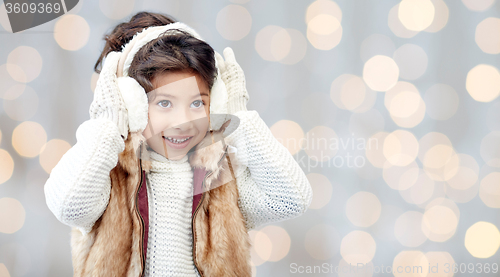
column 178, row 51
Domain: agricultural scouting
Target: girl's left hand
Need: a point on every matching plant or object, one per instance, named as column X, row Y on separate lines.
column 233, row 77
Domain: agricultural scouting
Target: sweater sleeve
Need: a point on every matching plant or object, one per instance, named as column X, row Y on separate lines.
column 272, row 187
column 78, row 188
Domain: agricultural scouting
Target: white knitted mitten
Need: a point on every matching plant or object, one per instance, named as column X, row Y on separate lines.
column 234, row 79
column 108, row 102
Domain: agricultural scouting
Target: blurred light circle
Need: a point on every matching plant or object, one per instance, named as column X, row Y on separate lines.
column 440, row 17
column 321, row 143
column 22, row 107
column 322, row 241
column 281, row 43
column 408, row 229
column 28, row 139
column 322, row 190
column 400, row 177
column 324, row 42
column 358, row 247
column 411, row 60
column 9, row 88
column 28, row 60
column 375, row 150
column 462, row 195
column 396, row 26
column 441, row 162
column 429, row 140
column 478, row 5
column 404, row 104
column 439, row 258
column 4, row 21
column 380, row 73
column 233, row 22
column 6, row 166
column 263, row 41
column 467, row 175
column 323, row 7
column 401, row 102
column 290, row 134
column 439, row 220
column 349, row 92
column 12, row 215
column 411, row 263
column 489, row 190
column 261, row 249
column 488, row 35
column 280, row 240
column 416, row 15
column 116, row 9
column 441, row 101
column 17, row 73
column 363, row 209
column 72, row 31
column 421, row 191
column 490, row 149
column 400, row 148
column 482, row 239
column 14, row 91
column 3, row 270
column 298, row 47
column 52, row 152
column 376, row 44
column 323, row 24
column 483, row 83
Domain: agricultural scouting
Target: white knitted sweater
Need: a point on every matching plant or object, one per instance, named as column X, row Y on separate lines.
column 272, row 187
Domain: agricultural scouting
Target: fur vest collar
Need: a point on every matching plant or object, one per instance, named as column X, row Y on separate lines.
column 117, row 244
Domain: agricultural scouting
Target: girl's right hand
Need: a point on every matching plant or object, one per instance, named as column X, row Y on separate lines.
column 108, row 102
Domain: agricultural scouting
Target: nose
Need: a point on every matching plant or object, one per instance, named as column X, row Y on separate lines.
column 183, row 119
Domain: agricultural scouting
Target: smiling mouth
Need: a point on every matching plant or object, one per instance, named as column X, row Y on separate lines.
column 177, row 141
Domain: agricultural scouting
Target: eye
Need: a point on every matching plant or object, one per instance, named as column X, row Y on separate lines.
column 164, row 103
column 198, row 104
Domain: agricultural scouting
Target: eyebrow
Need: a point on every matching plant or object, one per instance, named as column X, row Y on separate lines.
column 204, row 93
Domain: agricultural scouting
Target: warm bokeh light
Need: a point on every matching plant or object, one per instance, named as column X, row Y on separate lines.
column 280, row 242
column 436, row 259
column 400, row 148
column 298, row 47
column 482, row 239
column 405, row 105
column 12, row 215
column 323, row 24
column 72, row 31
column 441, row 101
column 380, row 73
column 9, row 88
column 358, row 247
column 416, row 15
column 439, row 220
column 116, row 9
column 411, row 60
column 274, row 43
column 421, row 191
column 490, row 149
column 263, row 42
column 28, row 139
column 261, row 249
column 290, row 134
column 26, row 59
column 467, row 175
column 408, row 229
column 401, row 177
column 440, row 17
column 233, row 22
column 488, row 35
column 489, row 190
column 430, row 140
column 322, row 241
column 441, row 162
column 22, row 107
column 6, row 166
column 396, row 26
column 52, row 152
column 322, row 143
column 363, row 209
column 483, row 83
column 325, row 40
column 349, row 92
column 478, row 5
column 322, row 190
column 410, row 264
column 323, row 7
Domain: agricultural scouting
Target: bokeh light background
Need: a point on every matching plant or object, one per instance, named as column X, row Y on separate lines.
column 390, row 107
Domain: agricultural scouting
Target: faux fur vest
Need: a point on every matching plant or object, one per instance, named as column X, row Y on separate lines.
column 116, row 246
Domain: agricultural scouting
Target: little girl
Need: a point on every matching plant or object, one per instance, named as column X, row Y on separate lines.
column 150, row 188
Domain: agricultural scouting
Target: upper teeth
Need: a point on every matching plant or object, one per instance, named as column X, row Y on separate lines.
column 177, row 140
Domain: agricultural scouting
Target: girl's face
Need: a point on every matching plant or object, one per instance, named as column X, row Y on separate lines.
column 178, row 113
